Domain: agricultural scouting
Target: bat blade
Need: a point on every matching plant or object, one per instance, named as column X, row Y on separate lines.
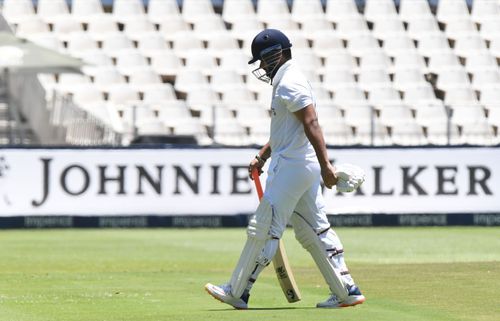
column 280, row 260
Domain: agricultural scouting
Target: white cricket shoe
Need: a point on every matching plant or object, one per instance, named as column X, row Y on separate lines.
column 223, row 294
column 355, row 297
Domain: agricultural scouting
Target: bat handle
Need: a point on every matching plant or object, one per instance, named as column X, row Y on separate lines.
column 258, row 185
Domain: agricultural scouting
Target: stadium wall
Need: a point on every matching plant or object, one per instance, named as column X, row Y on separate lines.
column 186, row 187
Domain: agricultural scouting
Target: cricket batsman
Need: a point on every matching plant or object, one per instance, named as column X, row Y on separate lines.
column 299, row 160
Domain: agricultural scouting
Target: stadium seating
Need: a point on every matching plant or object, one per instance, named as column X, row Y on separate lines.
column 406, row 70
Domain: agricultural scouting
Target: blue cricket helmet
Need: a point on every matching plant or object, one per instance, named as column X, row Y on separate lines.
column 266, row 40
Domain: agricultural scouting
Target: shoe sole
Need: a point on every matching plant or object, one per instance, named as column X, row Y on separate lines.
column 219, row 299
column 352, row 304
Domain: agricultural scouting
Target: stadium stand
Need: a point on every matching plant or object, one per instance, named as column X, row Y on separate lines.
column 412, row 72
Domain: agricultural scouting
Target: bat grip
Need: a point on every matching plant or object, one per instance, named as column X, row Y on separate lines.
column 258, row 185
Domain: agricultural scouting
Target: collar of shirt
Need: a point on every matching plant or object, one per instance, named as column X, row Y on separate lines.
column 281, row 72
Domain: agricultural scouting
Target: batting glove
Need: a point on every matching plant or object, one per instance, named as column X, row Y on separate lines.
column 350, row 177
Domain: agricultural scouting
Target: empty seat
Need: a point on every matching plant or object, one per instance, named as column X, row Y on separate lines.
column 490, row 95
column 337, row 132
column 138, row 28
column 246, row 28
column 237, row 61
column 189, row 79
column 236, row 97
column 448, row 10
column 80, row 43
column 165, row 63
column 128, row 61
column 486, row 78
column 361, row 115
column 490, row 27
column 409, row 60
column 350, row 27
column 127, row 10
column 326, row 44
column 467, row 115
column 480, row 61
column 416, row 94
column 52, row 10
column 307, row 9
column 460, row 27
column 340, row 60
column 143, row 78
column 269, row 10
column 184, row 42
column 361, row 44
column 349, row 96
column 388, row 27
column 334, row 79
column 223, row 80
column 408, row 134
column 433, row 44
column 101, row 26
column 312, row 26
column 480, row 133
column 341, row 9
column 115, row 44
column 15, row 11
column 202, row 61
column 105, row 77
column 229, row 132
column 376, row 136
column 250, row 116
column 122, row 95
column 443, row 61
column 443, row 134
column 485, row 10
column 469, row 45
column 84, row 10
column 384, row 96
column 377, row 10
column 375, row 60
column 431, row 115
column 408, row 78
column 223, row 44
column 373, row 78
column 195, row 10
column 450, row 78
column 64, row 26
column 31, row 26
column 209, row 28
column 412, row 10
column 171, row 27
column 161, row 10
column 396, row 45
column 422, row 28
column 159, row 94
column 234, row 10
column 152, row 44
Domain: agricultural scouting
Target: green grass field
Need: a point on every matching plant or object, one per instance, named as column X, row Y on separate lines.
column 158, row 274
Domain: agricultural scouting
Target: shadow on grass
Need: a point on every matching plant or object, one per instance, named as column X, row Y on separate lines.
column 265, row 309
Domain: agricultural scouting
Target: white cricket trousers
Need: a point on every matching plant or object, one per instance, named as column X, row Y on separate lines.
column 293, row 188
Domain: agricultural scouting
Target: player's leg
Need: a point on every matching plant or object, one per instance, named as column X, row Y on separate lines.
column 313, row 231
column 285, row 186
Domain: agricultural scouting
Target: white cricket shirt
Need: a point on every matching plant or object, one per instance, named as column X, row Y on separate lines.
column 291, row 92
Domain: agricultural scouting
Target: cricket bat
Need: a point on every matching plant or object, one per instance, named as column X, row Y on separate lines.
column 280, row 260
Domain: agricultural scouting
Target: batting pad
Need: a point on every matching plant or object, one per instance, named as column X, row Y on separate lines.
column 306, row 235
column 258, row 251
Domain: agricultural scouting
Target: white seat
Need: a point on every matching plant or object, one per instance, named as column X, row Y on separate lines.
column 31, row 26
column 230, row 133
column 306, row 59
column 84, row 10
column 233, row 10
column 450, row 78
column 395, row 114
column 433, row 44
column 480, row 133
column 122, row 95
column 68, row 83
column 171, row 27
column 282, row 23
column 105, row 77
column 485, row 10
column 486, row 78
column 201, row 60
column 384, row 96
column 195, row 10
column 152, row 44
column 259, row 133
column 396, row 45
column 422, row 93
column 143, row 78
column 159, row 94
column 481, row 61
column 409, row 60
column 326, row 44
column 375, row 60
column 361, row 44
column 422, row 28
column 52, row 10
column 437, row 134
column 161, row 10
column 448, row 10
column 174, row 112
column 373, row 78
column 377, row 10
column 334, row 79
column 101, row 26
column 128, row 61
column 490, row 27
column 185, row 42
column 359, row 115
column 408, row 134
column 139, row 28
column 349, row 96
column 96, row 59
column 408, row 78
column 443, row 61
column 192, row 127
column 268, row 10
column 467, row 115
column 47, row 40
column 248, row 117
column 15, row 11
column 350, row 27
column 460, row 27
column 388, row 27
column 341, row 9
column 495, row 46
column 337, row 132
column 246, row 28
column 134, row 114
column 411, row 10
column 312, row 26
column 80, row 43
column 223, row 80
column 115, row 44
column 490, row 95
column 188, row 79
column 307, row 9
column 460, row 95
column 127, row 10
column 381, row 137
column 340, row 60
column 89, row 94
column 223, row 43
column 165, row 63
column 237, row 61
column 64, row 26
column 234, row 97
column 151, row 127
column 209, row 27
column 494, row 116
column 469, row 45
column 430, row 115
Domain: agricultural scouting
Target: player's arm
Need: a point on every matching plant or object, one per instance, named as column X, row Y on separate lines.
column 259, row 160
column 314, row 133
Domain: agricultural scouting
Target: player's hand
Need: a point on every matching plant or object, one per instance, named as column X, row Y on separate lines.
column 329, row 176
column 255, row 164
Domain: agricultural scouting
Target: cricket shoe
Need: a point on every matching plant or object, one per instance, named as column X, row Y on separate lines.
column 355, row 297
column 223, row 294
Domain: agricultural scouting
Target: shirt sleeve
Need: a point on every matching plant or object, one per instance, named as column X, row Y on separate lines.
column 295, row 96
